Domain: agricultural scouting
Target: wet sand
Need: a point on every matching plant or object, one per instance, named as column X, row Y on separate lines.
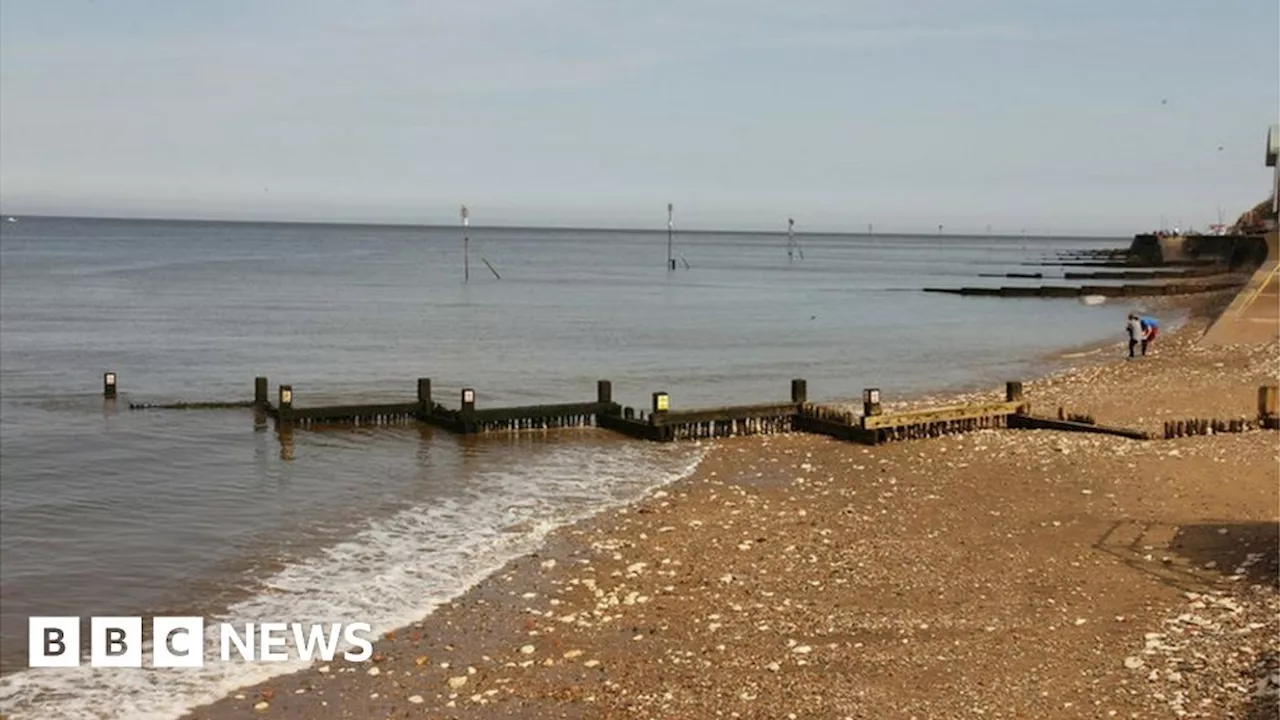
column 998, row 574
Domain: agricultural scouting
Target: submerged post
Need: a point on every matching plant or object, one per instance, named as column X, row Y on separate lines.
column 604, row 392
column 468, row 400
column 260, row 392
column 109, row 385
column 671, row 261
column 424, row 396
column 799, row 391
column 871, row 402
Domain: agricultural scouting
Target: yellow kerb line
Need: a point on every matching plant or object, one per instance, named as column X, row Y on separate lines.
column 1261, row 287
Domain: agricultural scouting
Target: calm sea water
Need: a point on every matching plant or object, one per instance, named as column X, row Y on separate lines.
column 111, row 511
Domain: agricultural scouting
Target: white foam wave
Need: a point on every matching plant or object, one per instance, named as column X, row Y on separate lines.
column 390, row 574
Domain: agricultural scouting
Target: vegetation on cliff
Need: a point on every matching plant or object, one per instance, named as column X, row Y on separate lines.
column 1255, row 219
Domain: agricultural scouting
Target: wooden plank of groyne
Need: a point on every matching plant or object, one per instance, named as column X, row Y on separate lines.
column 732, row 412
column 535, row 412
column 835, row 429
column 191, row 405
column 632, row 428
column 943, row 414
column 351, row 412
column 1035, row 422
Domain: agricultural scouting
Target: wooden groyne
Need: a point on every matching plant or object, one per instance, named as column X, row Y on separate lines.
column 1069, row 291
column 661, row 423
column 704, row 423
column 1208, row 271
column 466, row 419
column 1199, row 272
column 1126, row 263
column 1172, row 263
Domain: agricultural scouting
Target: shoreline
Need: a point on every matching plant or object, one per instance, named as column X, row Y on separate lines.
column 484, row 623
column 559, row 542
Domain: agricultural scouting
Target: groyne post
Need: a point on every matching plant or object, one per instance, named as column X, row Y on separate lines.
column 799, row 391
column 1013, row 393
column 424, row 397
column 871, row 402
column 1268, row 399
column 285, row 401
column 466, row 413
column 109, row 385
column 260, row 392
column 661, row 405
column 604, row 392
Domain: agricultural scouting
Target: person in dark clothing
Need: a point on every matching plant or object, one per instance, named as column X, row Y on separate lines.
column 1134, row 328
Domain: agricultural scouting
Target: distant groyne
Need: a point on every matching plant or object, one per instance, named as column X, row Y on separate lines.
column 1170, row 265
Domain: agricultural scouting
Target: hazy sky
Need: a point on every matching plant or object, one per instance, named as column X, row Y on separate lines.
column 1077, row 115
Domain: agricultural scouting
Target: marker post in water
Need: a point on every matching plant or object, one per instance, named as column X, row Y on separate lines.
column 671, row 261
column 109, row 385
column 466, row 246
column 793, row 247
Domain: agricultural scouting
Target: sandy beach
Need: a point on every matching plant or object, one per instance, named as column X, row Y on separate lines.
column 997, row 574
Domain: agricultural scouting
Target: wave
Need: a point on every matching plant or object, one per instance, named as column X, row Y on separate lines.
column 392, row 572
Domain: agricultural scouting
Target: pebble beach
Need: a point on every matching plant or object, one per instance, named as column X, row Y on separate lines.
column 995, row 574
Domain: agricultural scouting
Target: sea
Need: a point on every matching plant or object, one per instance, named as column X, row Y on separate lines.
column 108, row 510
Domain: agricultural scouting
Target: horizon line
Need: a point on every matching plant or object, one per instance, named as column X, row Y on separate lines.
column 1025, row 234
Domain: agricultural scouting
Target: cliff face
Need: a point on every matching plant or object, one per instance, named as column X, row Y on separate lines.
column 1255, row 220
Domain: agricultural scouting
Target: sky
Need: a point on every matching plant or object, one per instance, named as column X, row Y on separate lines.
column 1084, row 116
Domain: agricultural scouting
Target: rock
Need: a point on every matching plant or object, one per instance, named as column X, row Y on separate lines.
column 1133, row 662
column 457, row 681
column 262, row 705
column 416, row 699
column 374, row 671
column 528, row 649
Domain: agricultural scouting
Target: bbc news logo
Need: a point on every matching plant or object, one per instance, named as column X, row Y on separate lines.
column 180, row 642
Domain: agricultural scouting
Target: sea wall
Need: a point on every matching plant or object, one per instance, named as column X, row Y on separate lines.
column 1252, row 316
column 1235, row 251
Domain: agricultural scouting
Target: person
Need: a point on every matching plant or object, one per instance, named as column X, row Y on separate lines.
column 1134, row 328
column 1150, row 328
